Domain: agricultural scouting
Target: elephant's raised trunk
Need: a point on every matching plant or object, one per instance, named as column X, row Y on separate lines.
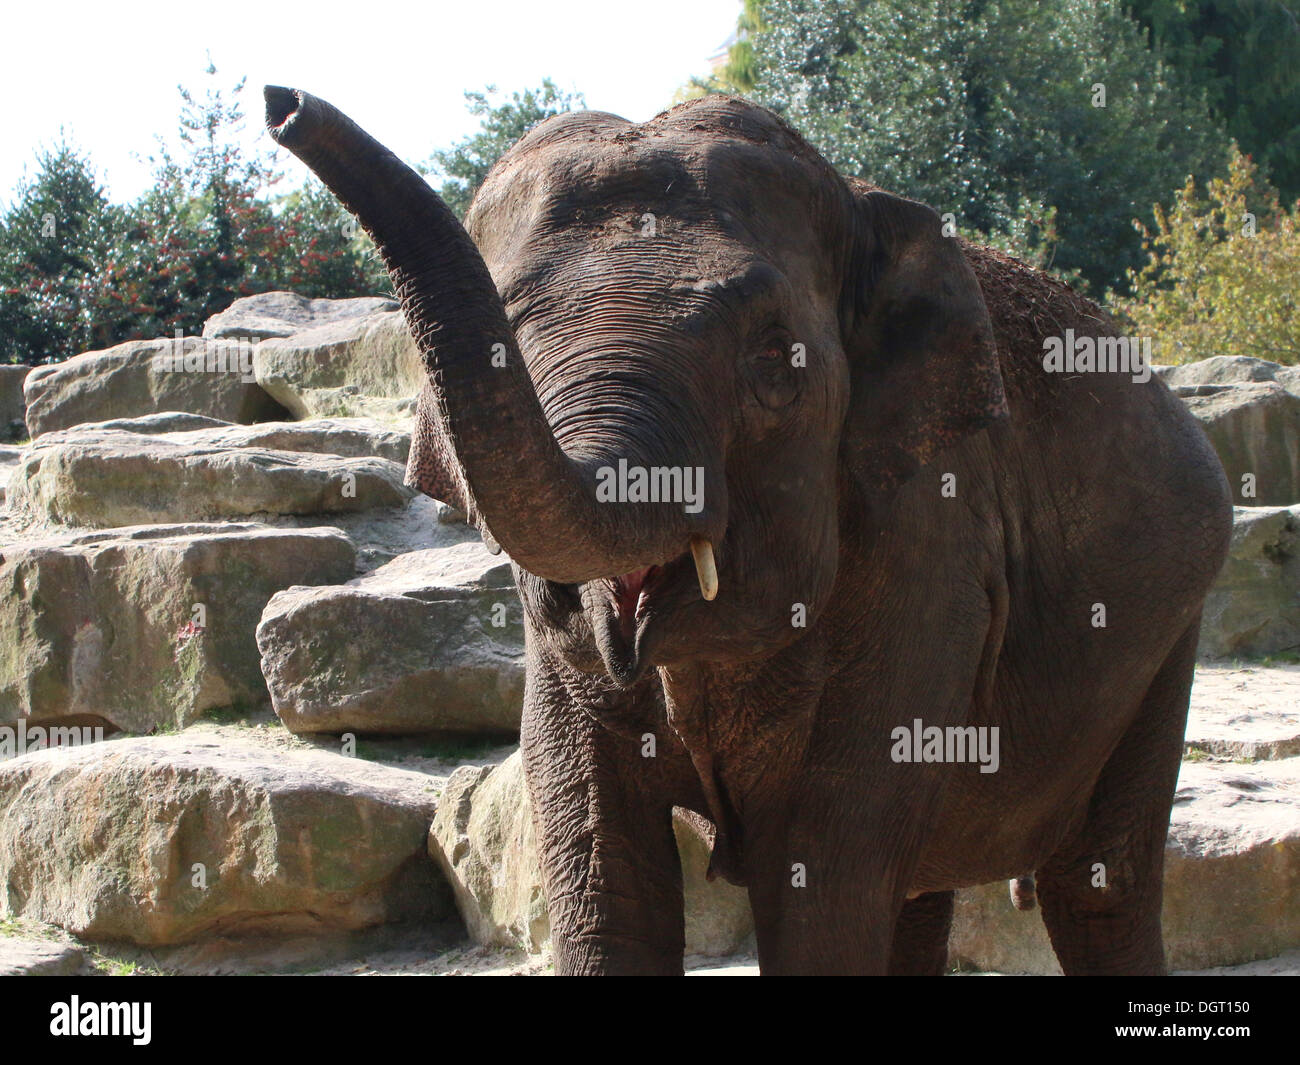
column 539, row 504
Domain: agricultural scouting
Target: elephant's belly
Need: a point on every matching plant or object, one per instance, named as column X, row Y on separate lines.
column 1000, row 825
column 977, row 842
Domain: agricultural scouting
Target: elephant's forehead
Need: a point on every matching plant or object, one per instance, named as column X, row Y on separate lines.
column 677, row 172
column 591, row 169
column 697, row 214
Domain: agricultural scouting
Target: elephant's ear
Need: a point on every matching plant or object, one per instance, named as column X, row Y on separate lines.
column 432, row 466
column 923, row 365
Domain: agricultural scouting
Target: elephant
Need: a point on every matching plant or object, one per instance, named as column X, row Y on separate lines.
column 811, row 538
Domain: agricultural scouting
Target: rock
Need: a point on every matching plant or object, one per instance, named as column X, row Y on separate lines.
column 10, row 456
column 1246, row 712
column 114, row 478
column 386, row 533
column 1255, row 428
column 34, row 956
column 147, row 627
column 360, row 366
column 1254, row 606
column 172, row 839
column 1220, row 370
column 718, row 918
column 1232, row 868
column 483, row 839
column 1230, row 370
column 140, row 377
column 1232, row 879
column 1289, row 378
column 13, row 405
column 449, row 515
column 409, row 648
column 282, row 314
column 349, row 437
column 164, row 421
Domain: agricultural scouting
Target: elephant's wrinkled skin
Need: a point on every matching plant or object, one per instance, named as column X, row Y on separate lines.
column 910, row 519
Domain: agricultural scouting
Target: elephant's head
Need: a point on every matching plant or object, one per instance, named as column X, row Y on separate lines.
column 700, row 297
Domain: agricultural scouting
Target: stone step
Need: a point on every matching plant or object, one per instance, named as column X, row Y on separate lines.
column 1245, row 712
column 150, row 626
column 184, row 839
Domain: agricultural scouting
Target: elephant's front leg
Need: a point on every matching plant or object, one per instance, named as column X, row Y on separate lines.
column 604, row 824
column 827, row 881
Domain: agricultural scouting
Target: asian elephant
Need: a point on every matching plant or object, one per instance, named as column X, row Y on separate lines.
column 811, row 536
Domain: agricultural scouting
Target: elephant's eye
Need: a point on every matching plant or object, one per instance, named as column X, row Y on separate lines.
column 772, row 374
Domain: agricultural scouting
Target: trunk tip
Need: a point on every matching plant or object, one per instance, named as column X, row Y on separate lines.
column 281, row 105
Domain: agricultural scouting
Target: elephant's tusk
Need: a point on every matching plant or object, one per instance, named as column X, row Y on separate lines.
column 705, row 568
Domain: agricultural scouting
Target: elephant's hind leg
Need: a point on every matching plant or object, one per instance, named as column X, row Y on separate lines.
column 1101, row 893
column 920, row 946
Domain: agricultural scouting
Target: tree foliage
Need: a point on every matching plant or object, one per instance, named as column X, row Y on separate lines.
column 77, row 272
column 1221, row 272
column 1245, row 54
column 58, row 229
column 989, row 109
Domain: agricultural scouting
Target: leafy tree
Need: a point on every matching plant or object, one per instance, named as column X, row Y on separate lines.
column 738, row 73
column 210, row 230
column 987, row 109
column 56, row 230
column 464, row 165
column 1244, row 54
column 326, row 252
column 1221, row 272
column 78, row 273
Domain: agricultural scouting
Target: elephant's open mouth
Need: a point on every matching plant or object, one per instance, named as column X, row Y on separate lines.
column 626, row 610
column 631, row 594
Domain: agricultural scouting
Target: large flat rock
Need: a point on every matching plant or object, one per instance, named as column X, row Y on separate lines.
column 1230, row 370
column 175, row 839
column 359, row 366
column 1253, row 609
column 349, row 437
column 112, row 478
column 147, row 627
column 142, row 377
column 433, row 641
column 1220, row 370
column 163, row 421
column 282, row 314
column 1255, row 429
column 1245, row 712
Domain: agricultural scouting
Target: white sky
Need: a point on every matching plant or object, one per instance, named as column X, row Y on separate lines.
column 107, row 72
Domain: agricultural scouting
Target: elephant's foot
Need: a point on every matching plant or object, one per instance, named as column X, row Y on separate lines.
column 613, row 955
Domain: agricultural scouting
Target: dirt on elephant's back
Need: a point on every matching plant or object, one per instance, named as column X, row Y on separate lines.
column 1026, row 306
